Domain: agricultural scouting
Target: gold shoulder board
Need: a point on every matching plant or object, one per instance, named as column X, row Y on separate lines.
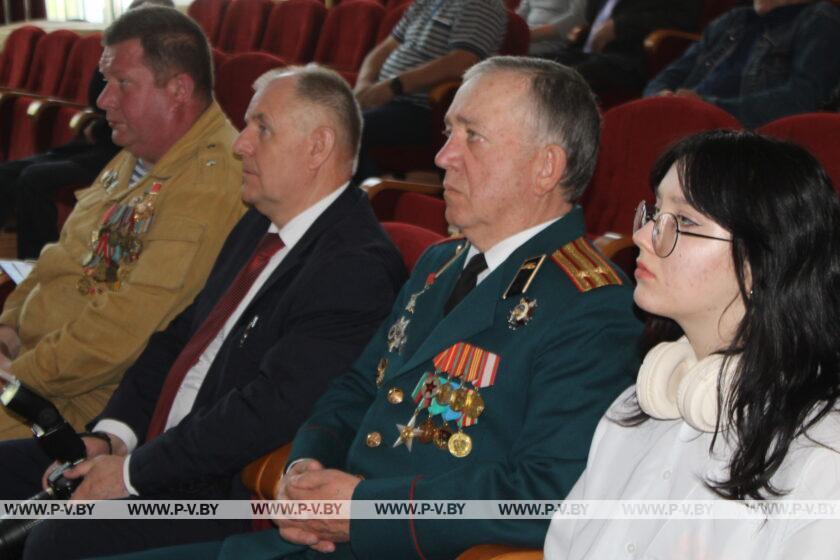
column 585, row 266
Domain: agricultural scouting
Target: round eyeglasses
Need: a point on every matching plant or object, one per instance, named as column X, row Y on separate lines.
column 666, row 230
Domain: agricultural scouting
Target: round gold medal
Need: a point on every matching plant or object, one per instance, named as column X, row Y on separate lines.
column 441, row 437
column 460, row 445
column 473, row 405
column 444, row 394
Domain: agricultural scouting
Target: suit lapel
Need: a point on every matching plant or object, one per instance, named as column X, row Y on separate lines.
column 343, row 206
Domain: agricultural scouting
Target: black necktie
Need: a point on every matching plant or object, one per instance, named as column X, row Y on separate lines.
column 466, row 282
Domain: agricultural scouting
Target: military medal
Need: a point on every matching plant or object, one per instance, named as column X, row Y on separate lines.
column 117, row 242
column 380, row 370
column 459, row 444
column 397, row 336
column 441, row 437
column 522, row 313
column 110, row 180
column 407, row 433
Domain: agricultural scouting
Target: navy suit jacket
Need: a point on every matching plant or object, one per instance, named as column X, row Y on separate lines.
column 306, row 325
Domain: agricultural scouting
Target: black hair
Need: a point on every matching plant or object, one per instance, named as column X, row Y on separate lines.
column 783, row 213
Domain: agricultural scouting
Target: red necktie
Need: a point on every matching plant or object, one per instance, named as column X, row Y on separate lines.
column 192, row 351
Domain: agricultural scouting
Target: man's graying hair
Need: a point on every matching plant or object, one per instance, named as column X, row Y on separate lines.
column 564, row 112
column 172, row 44
column 325, row 88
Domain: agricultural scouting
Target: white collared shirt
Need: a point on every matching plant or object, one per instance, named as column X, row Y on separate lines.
column 290, row 233
column 498, row 253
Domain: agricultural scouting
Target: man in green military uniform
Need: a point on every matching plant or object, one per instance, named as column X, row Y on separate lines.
column 139, row 244
column 500, row 354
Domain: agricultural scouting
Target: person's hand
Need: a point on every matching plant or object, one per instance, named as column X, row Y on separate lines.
column 324, row 484
column 295, row 531
column 376, row 95
column 9, row 344
column 603, row 36
column 103, row 478
column 94, row 447
column 688, row 94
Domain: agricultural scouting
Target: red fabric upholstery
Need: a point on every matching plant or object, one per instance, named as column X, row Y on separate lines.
column 234, row 84
column 819, row 133
column 348, row 34
column 48, row 65
column 426, row 211
column 243, row 25
column 633, row 136
column 17, row 55
column 390, row 20
column 518, row 36
column 209, row 14
column 52, row 127
column 48, row 61
column 512, row 4
column 411, row 240
column 219, row 58
column 293, row 29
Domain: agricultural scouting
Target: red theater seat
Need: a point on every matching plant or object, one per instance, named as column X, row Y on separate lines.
column 349, row 33
column 209, row 14
column 293, row 29
column 49, row 119
column 411, row 240
column 234, row 84
column 48, row 65
column 518, row 36
column 243, row 25
column 633, row 136
column 819, row 133
column 17, row 56
column 410, row 203
column 390, row 20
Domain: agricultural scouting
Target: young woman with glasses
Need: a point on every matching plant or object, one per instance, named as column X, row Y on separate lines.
column 741, row 256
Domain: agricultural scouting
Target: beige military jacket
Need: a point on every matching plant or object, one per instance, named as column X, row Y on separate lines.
column 76, row 346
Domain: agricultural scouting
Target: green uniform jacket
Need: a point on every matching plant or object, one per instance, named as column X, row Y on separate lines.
column 75, row 346
column 557, row 375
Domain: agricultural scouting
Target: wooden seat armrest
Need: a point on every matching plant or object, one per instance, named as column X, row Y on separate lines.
column 39, row 106
column 500, row 552
column 262, row 476
column 374, row 186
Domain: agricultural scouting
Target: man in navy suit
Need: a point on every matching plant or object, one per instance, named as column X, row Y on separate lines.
column 300, row 285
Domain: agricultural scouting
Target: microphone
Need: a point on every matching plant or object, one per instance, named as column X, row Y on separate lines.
column 59, row 441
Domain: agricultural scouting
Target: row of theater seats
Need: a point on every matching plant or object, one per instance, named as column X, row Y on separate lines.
column 59, row 66
column 248, row 25
column 633, row 136
column 299, row 31
column 44, row 80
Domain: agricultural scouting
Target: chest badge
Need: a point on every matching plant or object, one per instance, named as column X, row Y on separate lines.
column 522, row 313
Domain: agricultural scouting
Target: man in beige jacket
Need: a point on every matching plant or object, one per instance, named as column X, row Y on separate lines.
column 140, row 242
